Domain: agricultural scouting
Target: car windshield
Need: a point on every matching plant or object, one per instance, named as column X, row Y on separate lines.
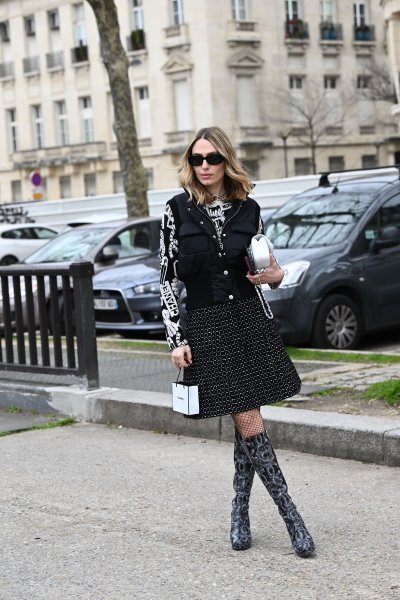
column 72, row 245
column 314, row 221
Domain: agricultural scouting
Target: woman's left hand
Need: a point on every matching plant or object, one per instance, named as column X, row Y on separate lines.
column 272, row 274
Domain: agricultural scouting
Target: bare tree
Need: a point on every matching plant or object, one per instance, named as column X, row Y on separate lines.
column 117, row 65
column 311, row 114
column 380, row 85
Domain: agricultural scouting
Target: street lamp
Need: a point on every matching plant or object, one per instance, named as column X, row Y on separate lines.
column 284, row 136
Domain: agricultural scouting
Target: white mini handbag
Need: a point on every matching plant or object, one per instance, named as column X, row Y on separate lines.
column 258, row 257
column 185, row 397
column 259, row 253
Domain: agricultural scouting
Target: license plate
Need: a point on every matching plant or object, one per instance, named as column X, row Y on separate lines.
column 105, row 304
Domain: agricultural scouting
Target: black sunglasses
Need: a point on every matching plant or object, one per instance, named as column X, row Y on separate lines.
column 196, row 160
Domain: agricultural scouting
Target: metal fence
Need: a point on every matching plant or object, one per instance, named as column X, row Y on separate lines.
column 47, row 322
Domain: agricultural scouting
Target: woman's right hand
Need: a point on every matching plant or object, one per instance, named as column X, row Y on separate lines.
column 181, row 356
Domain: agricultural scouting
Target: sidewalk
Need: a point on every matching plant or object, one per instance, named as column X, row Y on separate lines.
column 136, row 394
column 91, row 512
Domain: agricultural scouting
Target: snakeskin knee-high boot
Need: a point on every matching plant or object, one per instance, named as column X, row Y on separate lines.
column 242, row 483
column 262, row 455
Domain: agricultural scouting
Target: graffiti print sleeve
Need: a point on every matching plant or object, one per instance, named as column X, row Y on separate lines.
column 169, row 281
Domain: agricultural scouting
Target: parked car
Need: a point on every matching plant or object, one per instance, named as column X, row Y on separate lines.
column 127, row 298
column 19, row 240
column 105, row 244
column 340, row 248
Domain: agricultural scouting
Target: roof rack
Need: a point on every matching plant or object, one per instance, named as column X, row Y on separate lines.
column 324, row 175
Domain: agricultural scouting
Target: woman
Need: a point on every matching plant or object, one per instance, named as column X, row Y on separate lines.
column 232, row 348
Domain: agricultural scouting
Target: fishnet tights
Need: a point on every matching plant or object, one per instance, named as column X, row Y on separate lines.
column 249, row 423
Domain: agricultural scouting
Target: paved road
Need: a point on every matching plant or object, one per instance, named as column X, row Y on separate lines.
column 96, row 513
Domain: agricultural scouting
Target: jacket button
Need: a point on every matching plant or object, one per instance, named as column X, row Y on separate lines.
column 201, row 223
column 230, row 297
column 224, row 234
column 214, row 236
column 219, row 254
column 225, row 272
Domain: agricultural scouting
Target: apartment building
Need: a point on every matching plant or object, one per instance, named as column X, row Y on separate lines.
column 289, row 80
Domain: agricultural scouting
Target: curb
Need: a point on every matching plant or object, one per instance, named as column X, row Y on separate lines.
column 366, row 439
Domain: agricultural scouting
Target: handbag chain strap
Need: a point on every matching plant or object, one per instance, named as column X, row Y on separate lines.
column 264, row 302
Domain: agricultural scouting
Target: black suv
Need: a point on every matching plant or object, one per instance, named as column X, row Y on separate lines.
column 339, row 245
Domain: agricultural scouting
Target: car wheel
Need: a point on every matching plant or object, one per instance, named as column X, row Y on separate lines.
column 338, row 324
column 8, row 260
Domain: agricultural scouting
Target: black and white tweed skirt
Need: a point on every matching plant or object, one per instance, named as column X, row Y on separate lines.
column 239, row 360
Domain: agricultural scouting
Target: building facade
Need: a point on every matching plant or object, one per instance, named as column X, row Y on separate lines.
column 289, row 80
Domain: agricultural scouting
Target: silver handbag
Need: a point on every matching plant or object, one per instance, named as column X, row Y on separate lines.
column 259, row 253
column 258, row 259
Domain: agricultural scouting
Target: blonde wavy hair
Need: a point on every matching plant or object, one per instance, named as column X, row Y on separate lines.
column 237, row 183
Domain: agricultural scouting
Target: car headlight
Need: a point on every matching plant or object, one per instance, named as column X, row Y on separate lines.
column 294, row 273
column 148, row 288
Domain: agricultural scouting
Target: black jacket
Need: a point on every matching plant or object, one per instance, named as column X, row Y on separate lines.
column 214, row 270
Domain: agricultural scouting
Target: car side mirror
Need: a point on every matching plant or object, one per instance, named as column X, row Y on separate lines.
column 387, row 237
column 108, row 254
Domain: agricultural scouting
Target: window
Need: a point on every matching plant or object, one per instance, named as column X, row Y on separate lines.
column 363, row 82
column 16, row 191
column 65, row 186
column 328, row 11
column 79, row 24
column 292, row 10
column 369, row 161
column 176, row 12
column 388, row 214
column 62, row 123
column 360, row 13
column 295, row 82
column 42, row 233
column 118, row 184
column 53, row 19
column 29, row 24
column 90, row 184
column 336, row 163
column 247, row 111
column 183, row 117
column 5, row 31
column 87, row 119
column 330, row 82
column 253, row 168
column 302, row 166
column 144, row 115
column 149, row 178
column 239, row 10
column 37, row 126
column 137, row 14
column 12, row 129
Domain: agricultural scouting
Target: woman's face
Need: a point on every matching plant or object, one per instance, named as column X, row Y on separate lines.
column 211, row 176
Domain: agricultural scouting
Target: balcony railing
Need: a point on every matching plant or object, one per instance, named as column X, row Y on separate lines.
column 7, row 70
column 330, row 31
column 136, row 40
column 364, row 33
column 55, row 60
column 176, row 35
column 31, row 64
column 367, row 129
column 334, row 130
column 243, row 31
column 177, row 141
column 79, row 54
column 296, row 29
column 59, row 155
